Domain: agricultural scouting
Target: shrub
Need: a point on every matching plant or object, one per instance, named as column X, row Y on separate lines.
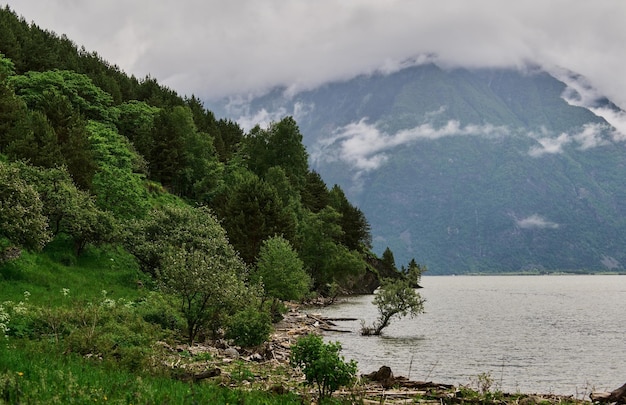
column 249, row 327
column 322, row 365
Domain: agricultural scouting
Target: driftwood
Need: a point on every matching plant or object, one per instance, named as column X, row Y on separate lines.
column 326, row 324
column 617, row 396
column 339, row 319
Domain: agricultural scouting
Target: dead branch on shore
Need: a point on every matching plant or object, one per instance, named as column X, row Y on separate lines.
column 618, row 396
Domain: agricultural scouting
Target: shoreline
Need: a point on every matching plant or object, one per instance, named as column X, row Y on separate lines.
column 267, row 368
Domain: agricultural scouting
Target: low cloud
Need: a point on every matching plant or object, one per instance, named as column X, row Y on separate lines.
column 262, row 118
column 363, row 145
column 535, row 221
column 581, row 93
column 240, row 107
column 215, row 49
column 590, row 136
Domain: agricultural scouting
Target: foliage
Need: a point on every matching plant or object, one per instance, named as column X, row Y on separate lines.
column 356, row 229
column 324, row 257
column 207, row 283
column 249, row 327
column 253, row 213
column 22, row 219
column 136, row 123
column 38, row 89
column 281, row 271
column 116, row 183
column 279, row 145
column 109, row 329
column 172, row 226
column 396, row 298
column 321, row 364
column 414, row 273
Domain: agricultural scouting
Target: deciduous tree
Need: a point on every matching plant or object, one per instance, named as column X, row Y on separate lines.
column 395, row 298
column 281, row 271
column 22, row 221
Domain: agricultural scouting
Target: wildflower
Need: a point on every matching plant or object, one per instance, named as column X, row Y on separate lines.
column 26, row 295
column 20, row 373
column 65, row 292
column 108, row 303
column 4, row 322
column 20, row 308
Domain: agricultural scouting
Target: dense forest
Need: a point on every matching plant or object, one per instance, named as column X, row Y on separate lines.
column 91, row 156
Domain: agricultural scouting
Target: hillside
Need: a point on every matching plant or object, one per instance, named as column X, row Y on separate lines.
column 133, row 223
column 487, row 170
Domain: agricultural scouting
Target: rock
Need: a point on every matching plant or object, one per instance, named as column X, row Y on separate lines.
column 232, row 353
column 255, row 357
column 384, row 375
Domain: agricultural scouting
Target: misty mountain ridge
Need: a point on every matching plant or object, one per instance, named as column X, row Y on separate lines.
column 470, row 170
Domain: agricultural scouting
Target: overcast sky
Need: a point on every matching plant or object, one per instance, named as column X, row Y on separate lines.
column 215, row 48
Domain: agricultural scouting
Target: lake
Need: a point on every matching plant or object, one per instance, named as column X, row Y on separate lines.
column 532, row 334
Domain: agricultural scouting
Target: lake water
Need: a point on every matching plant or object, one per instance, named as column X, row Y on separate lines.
column 532, row 334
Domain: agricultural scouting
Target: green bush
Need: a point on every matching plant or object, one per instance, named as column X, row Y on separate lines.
column 322, row 365
column 160, row 310
column 249, row 327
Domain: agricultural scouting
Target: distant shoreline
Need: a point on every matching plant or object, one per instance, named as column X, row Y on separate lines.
column 528, row 273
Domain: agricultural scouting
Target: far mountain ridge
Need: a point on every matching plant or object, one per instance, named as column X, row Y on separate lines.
column 470, row 170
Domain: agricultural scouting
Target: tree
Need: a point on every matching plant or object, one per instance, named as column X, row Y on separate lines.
column 228, row 139
column 321, row 364
column 279, row 145
column 117, row 185
column 356, row 229
column 396, row 298
column 207, row 281
column 22, row 221
column 281, row 271
column 253, row 213
column 172, row 129
column 315, row 196
column 388, row 261
column 414, row 273
column 187, row 249
column 68, row 209
column 169, row 227
column 326, row 260
column 90, row 101
column 136, row 122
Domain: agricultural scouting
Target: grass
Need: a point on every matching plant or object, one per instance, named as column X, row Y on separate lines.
column 46, row 274
column 86, row 346
column 28, row 377
column 81, row 332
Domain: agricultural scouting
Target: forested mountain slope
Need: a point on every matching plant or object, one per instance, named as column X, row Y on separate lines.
column 90, row 154
column 482, row 170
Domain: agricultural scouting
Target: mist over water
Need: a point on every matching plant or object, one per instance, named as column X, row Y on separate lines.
column 533, row 334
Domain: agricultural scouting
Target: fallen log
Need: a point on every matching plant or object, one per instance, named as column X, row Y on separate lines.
column 320, row 320
column 617, row 396
column 214, row 372
column 329, row 329
column 339, row 319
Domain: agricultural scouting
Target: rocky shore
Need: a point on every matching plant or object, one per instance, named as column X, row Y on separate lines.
column 267, row 368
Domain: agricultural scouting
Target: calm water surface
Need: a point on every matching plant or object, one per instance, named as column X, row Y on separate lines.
column 545, row 334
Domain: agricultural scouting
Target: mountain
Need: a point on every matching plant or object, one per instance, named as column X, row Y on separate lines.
column 469, row 170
